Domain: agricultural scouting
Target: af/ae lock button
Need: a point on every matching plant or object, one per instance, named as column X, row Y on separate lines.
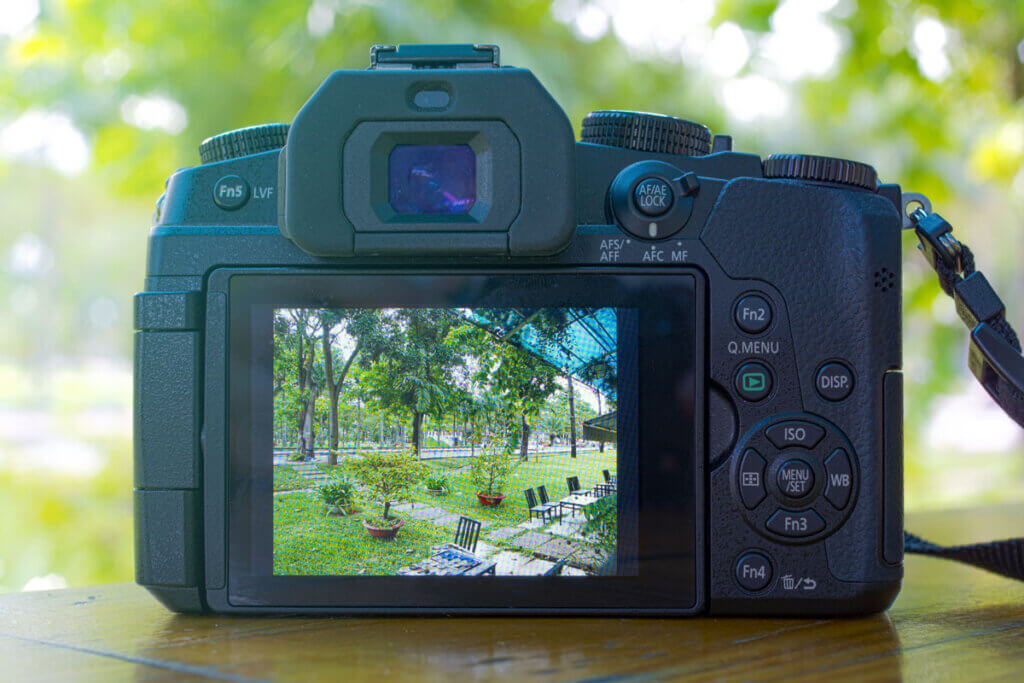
column 653, row 197
column 652, row 200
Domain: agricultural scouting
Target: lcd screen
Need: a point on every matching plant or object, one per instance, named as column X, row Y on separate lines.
column 451, row 393
column 458, row 442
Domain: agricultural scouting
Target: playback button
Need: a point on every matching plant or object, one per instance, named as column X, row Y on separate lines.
column 753, row 381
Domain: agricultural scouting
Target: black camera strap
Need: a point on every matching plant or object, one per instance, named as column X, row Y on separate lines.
column 994, row 358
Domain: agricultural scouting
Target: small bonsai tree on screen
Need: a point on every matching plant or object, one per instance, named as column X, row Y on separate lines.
column 389, row 476
column 490, row 472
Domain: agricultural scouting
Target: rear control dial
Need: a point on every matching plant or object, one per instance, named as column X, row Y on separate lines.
column 795, row 477
column 821, row 169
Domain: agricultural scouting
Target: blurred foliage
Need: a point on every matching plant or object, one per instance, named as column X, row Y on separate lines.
column 71, row 245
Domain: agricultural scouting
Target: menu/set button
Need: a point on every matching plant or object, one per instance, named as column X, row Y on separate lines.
column 795, row 478
column 795, row 524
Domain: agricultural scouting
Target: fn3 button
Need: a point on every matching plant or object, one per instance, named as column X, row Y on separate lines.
column 795, row 524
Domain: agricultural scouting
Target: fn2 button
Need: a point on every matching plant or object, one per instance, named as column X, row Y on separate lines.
column 753, row 314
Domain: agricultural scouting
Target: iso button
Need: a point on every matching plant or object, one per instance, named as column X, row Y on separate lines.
column 653, row 197
column 753, row 572
column 231, row 192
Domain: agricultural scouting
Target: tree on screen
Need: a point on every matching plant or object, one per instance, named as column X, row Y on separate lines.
column 412, row 369
column 344, row 333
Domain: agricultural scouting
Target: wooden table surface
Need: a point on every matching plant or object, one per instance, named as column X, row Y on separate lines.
column 950, row 622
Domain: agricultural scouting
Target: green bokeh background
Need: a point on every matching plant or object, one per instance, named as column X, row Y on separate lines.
column 118, row 95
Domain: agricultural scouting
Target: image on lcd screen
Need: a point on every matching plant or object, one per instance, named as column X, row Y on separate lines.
column 445, row 442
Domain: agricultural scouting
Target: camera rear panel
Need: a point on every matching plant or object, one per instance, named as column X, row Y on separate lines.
column 799, row 408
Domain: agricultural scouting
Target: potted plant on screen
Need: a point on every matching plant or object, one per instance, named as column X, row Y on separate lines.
column 601, row 533
column 388, row 477
column 490, row 472
column 338, row 494
column 437, row 484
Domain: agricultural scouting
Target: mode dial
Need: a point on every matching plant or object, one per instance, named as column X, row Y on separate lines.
column 821, row 169
column 243, row 141
column 646, row 132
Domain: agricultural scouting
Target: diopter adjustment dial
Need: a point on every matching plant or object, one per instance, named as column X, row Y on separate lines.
column 821, row 169
column 646, row 132
column 243, row 142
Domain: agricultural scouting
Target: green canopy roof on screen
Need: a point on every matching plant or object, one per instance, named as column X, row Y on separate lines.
column 577, row 341
column 601, row 428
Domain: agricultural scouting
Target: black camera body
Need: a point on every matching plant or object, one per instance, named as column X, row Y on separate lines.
column 757, row 440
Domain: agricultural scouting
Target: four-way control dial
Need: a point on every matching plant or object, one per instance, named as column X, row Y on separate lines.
column 821, row 169
column 795, row 477
column 646, row 132
column 242, row 142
